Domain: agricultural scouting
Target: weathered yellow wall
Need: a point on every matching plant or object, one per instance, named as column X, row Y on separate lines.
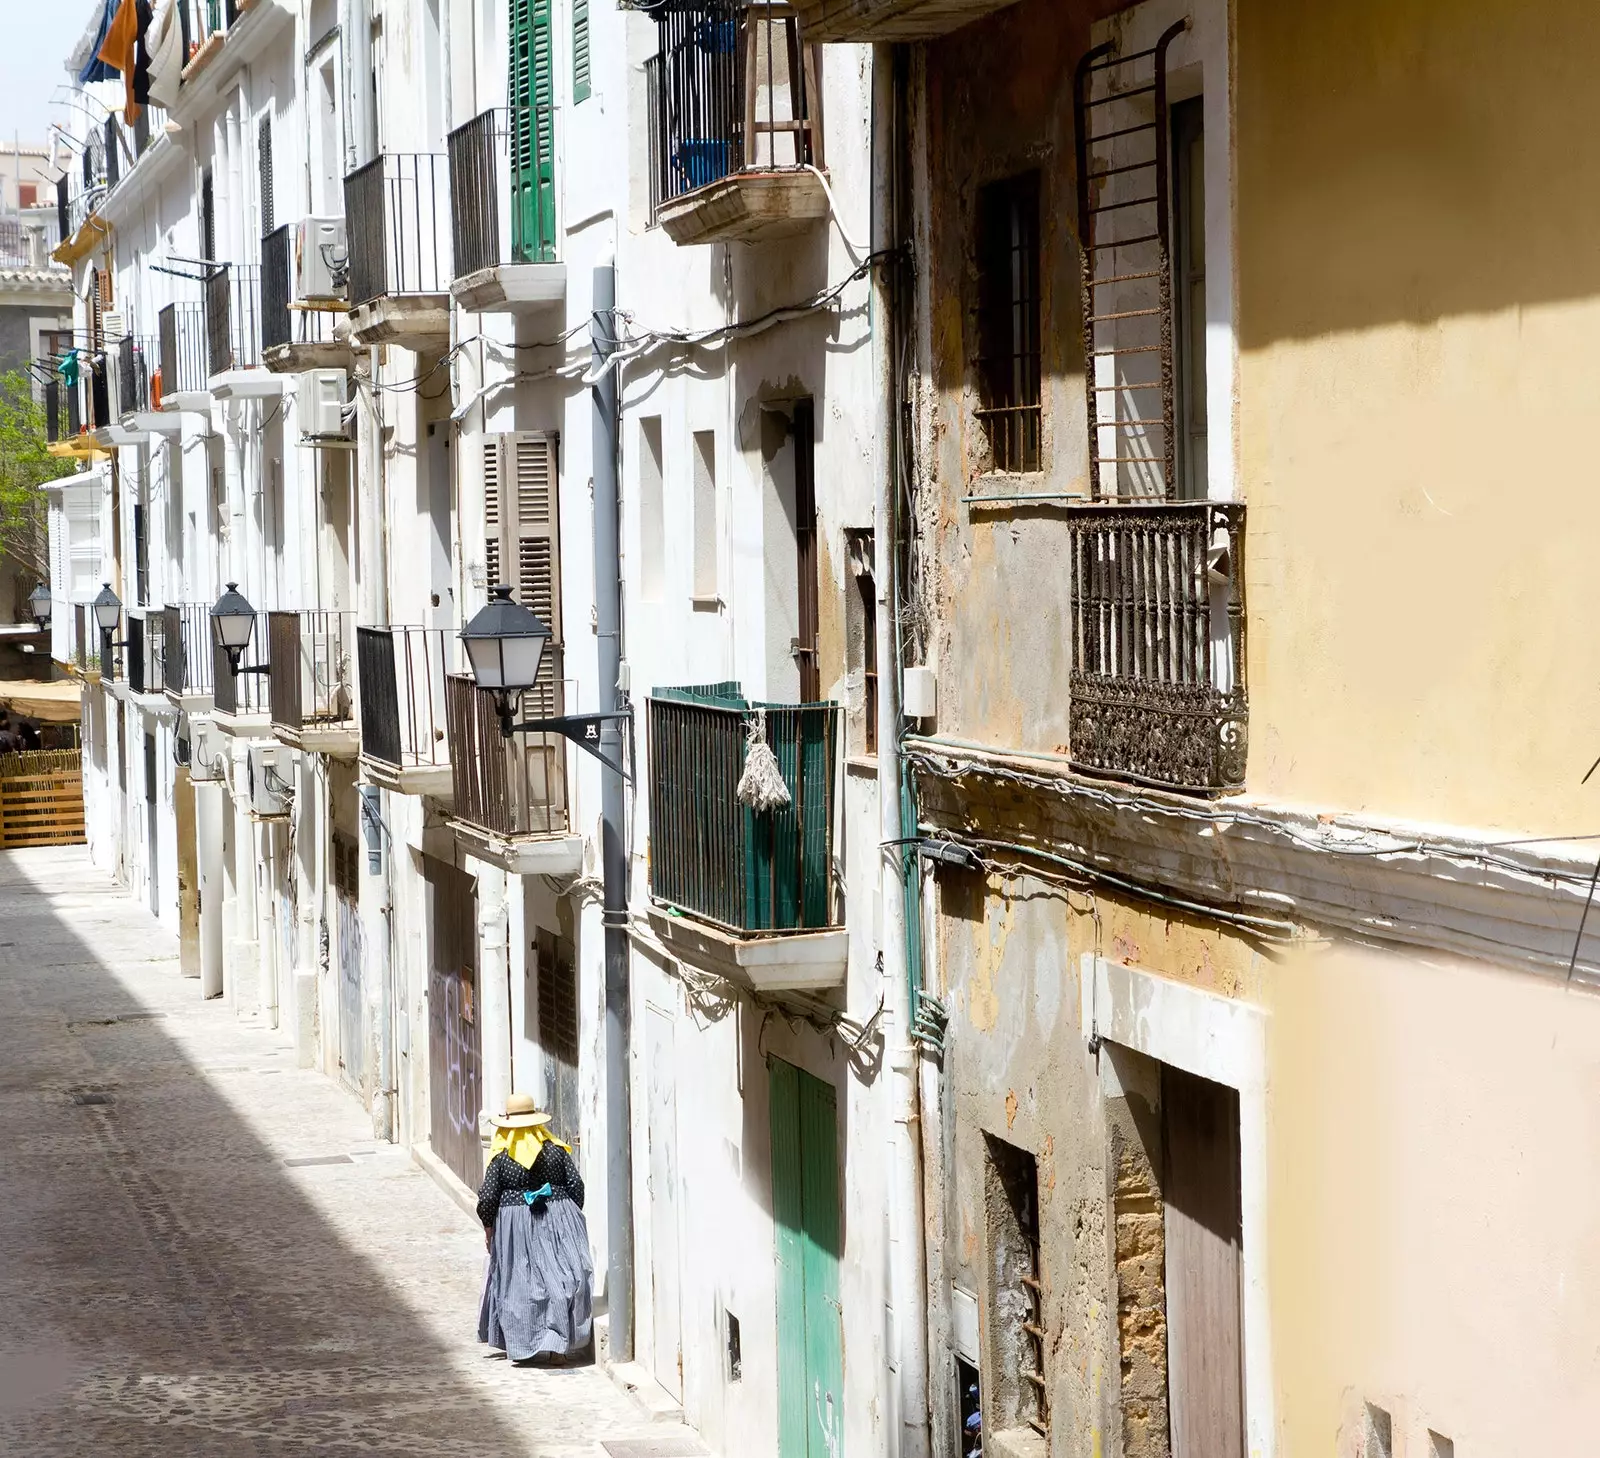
column 1419, row 282
column 1435, row 1236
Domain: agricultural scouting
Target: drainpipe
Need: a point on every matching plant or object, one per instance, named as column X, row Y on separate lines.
column 613, row 848
column 906, row 1284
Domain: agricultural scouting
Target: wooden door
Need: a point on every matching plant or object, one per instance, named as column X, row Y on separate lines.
column 806, row 1225
column 188, row 874
column 1205, row 1345
column 556, row 968
column 666, row 1304
column 455, row 1052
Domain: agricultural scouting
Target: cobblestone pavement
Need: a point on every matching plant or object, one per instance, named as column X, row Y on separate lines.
column 168, row 1284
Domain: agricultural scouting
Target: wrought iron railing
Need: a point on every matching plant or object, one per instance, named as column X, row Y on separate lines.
column 182, row 340
column 75, row 415
column 243, row 693
column 402, row 696
column 100, row 394
column 713, row 856
column 55, row 415
column 1158, row 651
column 395, row 212
column 498, row 191
column 233, row 318
column 80, row 635
column 188, row 648
column 311, row 668
column 515, row 786
column 133, row 375
column 281, row 323
column 732, row 89
column 143, row 641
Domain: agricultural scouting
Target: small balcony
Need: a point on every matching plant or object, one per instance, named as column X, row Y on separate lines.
column 397, row 217
column 293, row 336
column 146, row 653
column 828, row 21
column 502, row 216
column 187, row 656
column 182, row 350
column 735, row 123
column 243, row 701
column 404, row 744
column 66, row 421
column 746, row 894
column 510, row 794
column 1158, row 678
column 234, row 369
column 311, row 684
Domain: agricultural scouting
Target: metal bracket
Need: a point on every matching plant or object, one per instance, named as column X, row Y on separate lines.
column 582, row 729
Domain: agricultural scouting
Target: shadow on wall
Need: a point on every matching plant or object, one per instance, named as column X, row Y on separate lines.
column 166, row 1288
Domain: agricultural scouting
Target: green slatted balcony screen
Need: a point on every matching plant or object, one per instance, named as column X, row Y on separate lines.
column 533, row 134
column 580, row 50
column 711, row 855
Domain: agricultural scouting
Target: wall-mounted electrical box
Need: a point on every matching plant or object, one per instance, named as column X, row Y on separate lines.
column 208, row 752
column 921, row 693
column 271, row 782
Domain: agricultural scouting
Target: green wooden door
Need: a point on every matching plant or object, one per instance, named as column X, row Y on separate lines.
column 805, row 1216
column 533, row 134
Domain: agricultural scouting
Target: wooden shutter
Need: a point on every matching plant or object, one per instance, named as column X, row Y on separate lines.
column 523, row 540
column 264, row 160
column 533, row 176
column 580, row 50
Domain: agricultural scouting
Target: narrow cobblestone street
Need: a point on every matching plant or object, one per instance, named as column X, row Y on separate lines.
column 202, row 1250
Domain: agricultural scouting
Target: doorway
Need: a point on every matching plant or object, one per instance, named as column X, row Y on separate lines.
column 151, row 821
column 806, row 1227
column 455, row 1052
column 666, row 1304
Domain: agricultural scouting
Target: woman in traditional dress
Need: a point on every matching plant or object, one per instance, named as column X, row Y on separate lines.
column 537, row 1294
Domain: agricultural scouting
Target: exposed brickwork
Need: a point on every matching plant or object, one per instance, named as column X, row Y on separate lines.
column 1140, row 1282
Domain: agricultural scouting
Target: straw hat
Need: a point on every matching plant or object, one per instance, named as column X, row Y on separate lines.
column 521, row 1113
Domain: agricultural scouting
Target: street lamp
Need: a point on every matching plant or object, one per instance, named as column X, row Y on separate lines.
column 233, row 620
column 39, row 605
column 505, row 646
column 107, row 609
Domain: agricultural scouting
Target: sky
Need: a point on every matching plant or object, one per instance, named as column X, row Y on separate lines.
column 37, row 36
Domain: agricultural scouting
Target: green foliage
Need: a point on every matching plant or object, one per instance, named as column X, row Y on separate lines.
column 25, row 467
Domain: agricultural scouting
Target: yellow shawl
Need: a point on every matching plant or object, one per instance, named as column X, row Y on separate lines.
column 522, row 1144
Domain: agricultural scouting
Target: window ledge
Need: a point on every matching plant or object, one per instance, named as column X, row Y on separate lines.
column 711, row 604
column 861, row 764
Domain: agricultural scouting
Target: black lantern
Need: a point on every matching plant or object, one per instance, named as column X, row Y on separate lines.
column 233, row 620
column 39, row 605
column 505, row 645
column 107, row 609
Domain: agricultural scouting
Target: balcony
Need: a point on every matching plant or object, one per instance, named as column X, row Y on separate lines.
column 1158, row 680
column 146, row 654
column 827, row 21
column 182, row 349
column 510, row 794
column 403, row 740
column 187, row 655
column 294, row 337
column 243, row 701
column 399, row 279
column 502, row 217
column 748, row 895
column 735, row 123
column 233, row 335
column 311, row 685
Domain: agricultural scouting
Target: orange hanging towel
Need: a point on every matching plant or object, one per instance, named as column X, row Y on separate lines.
column 117, row 51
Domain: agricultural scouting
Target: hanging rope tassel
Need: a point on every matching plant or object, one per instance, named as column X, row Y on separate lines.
column 761, row 786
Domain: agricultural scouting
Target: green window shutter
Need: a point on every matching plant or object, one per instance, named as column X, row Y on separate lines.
column 580, row 50
column 533, row 134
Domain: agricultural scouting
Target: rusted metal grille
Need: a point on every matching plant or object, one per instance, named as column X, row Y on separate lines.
column 732, row 89
column 310, row 672
column 1158, row 679
column 402, row 696
column 511, row 787
column 399, row 233
column 1123, row 227
column 709, row 853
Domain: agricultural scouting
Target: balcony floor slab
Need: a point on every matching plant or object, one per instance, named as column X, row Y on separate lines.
column 559, row 855
column 196, row 401
column 244, row 726
column 413, row 321
column 436, row 781
column 748, row 207
column 338, row 741
column 254, row 384
column 807, row 961
column 859, row 21
column 513, row 288
column 294, row 359
column 154, row 422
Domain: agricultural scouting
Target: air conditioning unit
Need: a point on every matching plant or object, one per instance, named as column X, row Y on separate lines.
column 321, row 261
column 319, row 398
column 208, row 752
column 271, row 780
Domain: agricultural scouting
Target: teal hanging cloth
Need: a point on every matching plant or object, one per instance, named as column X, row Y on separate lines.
column 69, row 368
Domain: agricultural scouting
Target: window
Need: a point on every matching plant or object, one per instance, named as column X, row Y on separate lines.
column 264, row 161
column 346, row 867
column 558, row 997
column 28, row 194
column 861, row 615
column 652, row 512
column 1016, row 1304
column 805, row 539
column 705, row 518
column 1009, row 386
column 580, row 50
column 208, row 217
column 1189, row 294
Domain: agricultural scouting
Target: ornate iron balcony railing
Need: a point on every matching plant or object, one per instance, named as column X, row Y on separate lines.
column 1158, row 623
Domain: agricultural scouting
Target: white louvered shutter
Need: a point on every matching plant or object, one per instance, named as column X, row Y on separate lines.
column 523, row 546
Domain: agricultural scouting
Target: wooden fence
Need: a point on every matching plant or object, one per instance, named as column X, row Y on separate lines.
column 41, row 798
